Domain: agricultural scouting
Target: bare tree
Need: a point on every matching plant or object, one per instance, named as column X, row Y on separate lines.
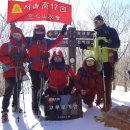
column 3, row 28
column 115, row 15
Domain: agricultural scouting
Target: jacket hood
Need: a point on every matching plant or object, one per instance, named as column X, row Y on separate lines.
column 15, row 29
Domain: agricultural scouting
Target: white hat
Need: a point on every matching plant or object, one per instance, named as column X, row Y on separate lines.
column 90, row 58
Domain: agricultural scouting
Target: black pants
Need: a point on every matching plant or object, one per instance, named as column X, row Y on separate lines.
column 12, row 88
column 108, row 73
column 108, row 70
column 36, row 83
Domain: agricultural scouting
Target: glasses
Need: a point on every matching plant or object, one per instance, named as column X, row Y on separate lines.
column 39, row 30
column 17, row 35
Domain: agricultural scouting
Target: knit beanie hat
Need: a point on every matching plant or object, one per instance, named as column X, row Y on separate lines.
column 98, row 17
column 15, row 29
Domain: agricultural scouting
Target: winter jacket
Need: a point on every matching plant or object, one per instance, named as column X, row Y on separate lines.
column 90, row 80
column 38, row 51
column 110, row 36
column 7, row 50
column 59, row 78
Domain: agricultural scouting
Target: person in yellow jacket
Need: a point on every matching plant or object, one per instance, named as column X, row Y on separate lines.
column 105, row 47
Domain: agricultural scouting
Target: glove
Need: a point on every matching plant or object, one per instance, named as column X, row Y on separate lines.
column 44, row 54
column 84, row 92
column 17, row 57
column 64, row 29
column 41, row 75
column 47, row 54
column 98, row 102
column 128, row 73
column 83, row 46
column 73, row 90
column 102, row 43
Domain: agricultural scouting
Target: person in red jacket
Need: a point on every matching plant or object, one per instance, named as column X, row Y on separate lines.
column 39, row 47
column 61, row 78
column 89, row 82
column 12, row 56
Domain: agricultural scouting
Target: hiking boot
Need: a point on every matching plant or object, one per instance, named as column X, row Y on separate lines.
column 90, row 105
column 36, row 112
column 17, row 109
column 4, row 117
column 108, row 107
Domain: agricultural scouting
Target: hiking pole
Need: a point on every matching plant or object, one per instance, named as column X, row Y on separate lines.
column 23, row 96
column 82, row 54
column 18, row 79
column 21, row 82
column 42, row 81
column 17, row 85
column 104, row 85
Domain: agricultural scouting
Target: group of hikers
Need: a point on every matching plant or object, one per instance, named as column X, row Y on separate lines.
column 89, row 80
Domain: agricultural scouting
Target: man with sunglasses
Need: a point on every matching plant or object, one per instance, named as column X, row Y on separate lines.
column 105, row 46
column 38, row 47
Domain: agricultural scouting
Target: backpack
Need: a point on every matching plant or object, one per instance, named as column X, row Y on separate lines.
column 31, row 42
column 6, row 67
column 83, row 73
column 10, row 47
column 66, row 68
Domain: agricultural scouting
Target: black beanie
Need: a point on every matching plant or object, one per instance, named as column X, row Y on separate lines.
column 98, row 17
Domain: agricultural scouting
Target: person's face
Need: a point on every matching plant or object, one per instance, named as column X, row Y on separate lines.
column 98, row 23
column 58, row 59
column 17, row 36
column 39, row 31
column 90, row 63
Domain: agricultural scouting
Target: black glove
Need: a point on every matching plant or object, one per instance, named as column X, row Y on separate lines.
column 83, row 46
column 129, row 72
column 17, row 57
column 98, row 102
column 102, row 43
column 44, row 55
column 64, row 29
column 41, row 74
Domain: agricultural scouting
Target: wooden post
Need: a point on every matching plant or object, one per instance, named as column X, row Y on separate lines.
column 72, row 40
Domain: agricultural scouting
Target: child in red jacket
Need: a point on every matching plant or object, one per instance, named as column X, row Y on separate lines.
column 88, row 82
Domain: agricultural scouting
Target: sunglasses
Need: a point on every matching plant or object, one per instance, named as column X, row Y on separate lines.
column 17, row 35
column 40, row 30
column 96, row 22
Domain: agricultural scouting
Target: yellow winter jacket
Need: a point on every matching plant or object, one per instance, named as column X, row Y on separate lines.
column 101, row 54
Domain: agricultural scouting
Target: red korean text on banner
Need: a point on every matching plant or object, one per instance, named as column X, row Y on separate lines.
column 36, row 10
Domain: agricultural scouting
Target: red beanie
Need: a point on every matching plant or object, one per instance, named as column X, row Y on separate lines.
column 15, row 30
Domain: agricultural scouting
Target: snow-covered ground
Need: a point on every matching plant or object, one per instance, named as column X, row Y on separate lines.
column 28, row 121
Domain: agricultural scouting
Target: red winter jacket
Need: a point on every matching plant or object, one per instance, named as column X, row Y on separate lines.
column 87, row 78
column 59, row 78
column 41, row 47
column 7, row 50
